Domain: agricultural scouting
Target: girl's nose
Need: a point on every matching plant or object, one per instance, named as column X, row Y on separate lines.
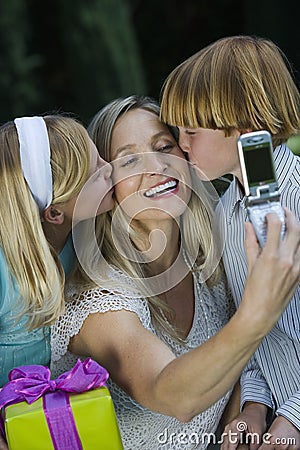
column 106, row 168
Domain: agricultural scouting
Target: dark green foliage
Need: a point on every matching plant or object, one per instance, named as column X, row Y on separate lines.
column 66, row 55
column 18, row 64
column 101, row 55
column 77, row 55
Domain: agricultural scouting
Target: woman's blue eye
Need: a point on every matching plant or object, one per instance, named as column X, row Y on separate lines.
column 128, row 162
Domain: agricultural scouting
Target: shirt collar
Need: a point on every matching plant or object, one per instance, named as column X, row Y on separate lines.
column 284, row 160
column 285, row 163
column 232, row 198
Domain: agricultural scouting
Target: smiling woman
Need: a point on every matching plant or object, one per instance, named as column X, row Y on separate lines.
column 151, row 176
column 161, row 320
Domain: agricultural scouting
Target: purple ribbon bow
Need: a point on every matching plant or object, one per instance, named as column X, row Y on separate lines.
column 28, row 383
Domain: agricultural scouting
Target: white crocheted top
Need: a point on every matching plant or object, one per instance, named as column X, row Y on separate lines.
column 142, row 429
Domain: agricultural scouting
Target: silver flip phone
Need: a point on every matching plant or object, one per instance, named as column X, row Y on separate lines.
column 260, row 181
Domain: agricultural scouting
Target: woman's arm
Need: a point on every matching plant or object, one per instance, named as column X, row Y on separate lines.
column 140, row 363
column 187, row 385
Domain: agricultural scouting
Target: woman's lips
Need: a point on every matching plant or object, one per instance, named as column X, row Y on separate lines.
column 166, row 187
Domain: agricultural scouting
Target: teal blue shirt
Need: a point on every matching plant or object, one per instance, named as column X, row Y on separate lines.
column 18, row 346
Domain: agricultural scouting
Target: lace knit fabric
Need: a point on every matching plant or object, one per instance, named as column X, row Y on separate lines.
column 141, row 428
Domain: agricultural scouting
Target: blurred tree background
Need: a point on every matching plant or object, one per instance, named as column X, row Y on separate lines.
column 75, row 56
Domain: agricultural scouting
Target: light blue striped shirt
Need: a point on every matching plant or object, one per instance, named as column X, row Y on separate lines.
column 272, row 376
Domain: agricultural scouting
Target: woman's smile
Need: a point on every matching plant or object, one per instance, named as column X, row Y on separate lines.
column 165, row 188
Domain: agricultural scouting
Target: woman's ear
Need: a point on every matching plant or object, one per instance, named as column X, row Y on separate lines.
column 53, row 215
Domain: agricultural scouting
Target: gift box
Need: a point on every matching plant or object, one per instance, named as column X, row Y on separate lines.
column 73, row 412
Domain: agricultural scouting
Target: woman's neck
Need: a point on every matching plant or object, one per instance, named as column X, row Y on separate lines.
column 159, row 243
column 166, row 267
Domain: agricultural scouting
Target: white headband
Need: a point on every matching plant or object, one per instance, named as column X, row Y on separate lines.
column 35, row 158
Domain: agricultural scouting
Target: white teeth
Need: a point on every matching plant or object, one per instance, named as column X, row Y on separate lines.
column 162, row 187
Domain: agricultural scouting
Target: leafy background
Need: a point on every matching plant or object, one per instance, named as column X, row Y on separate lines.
column 77, row 55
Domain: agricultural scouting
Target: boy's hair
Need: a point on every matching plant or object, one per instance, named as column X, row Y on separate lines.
column 32, row 264
column 238, row 82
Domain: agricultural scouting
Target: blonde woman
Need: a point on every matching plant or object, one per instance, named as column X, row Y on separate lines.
column 236, row 85
column 160, row 320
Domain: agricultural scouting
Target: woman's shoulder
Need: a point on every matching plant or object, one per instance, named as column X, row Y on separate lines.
column 103, row 299
column 81, row 303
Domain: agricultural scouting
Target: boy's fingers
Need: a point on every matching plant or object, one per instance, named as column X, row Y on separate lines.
column 251, row 245
column 274, row 225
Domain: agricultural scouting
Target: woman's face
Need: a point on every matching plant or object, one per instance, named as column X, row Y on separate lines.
column 150, row 173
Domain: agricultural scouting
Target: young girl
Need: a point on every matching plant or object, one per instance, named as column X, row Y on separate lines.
column 44, row 164
column 160, row 320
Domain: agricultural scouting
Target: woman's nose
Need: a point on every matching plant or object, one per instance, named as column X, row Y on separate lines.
column 155, row 163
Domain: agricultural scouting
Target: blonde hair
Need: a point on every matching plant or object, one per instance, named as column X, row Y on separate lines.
column 32, row 263
column 238, row 82
column 195, row 222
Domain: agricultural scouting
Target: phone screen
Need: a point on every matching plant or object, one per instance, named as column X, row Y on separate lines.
column 259, row 165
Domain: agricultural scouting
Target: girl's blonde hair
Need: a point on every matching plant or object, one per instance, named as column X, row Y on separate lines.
column 195, row 223
column 238, row 82
column 32, row 263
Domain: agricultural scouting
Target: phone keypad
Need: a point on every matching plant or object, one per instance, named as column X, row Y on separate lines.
column 257, row 215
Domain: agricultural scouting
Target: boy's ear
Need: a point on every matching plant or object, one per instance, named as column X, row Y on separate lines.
column 53, row 215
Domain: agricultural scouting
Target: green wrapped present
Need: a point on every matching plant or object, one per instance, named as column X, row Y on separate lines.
column 73, row 412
